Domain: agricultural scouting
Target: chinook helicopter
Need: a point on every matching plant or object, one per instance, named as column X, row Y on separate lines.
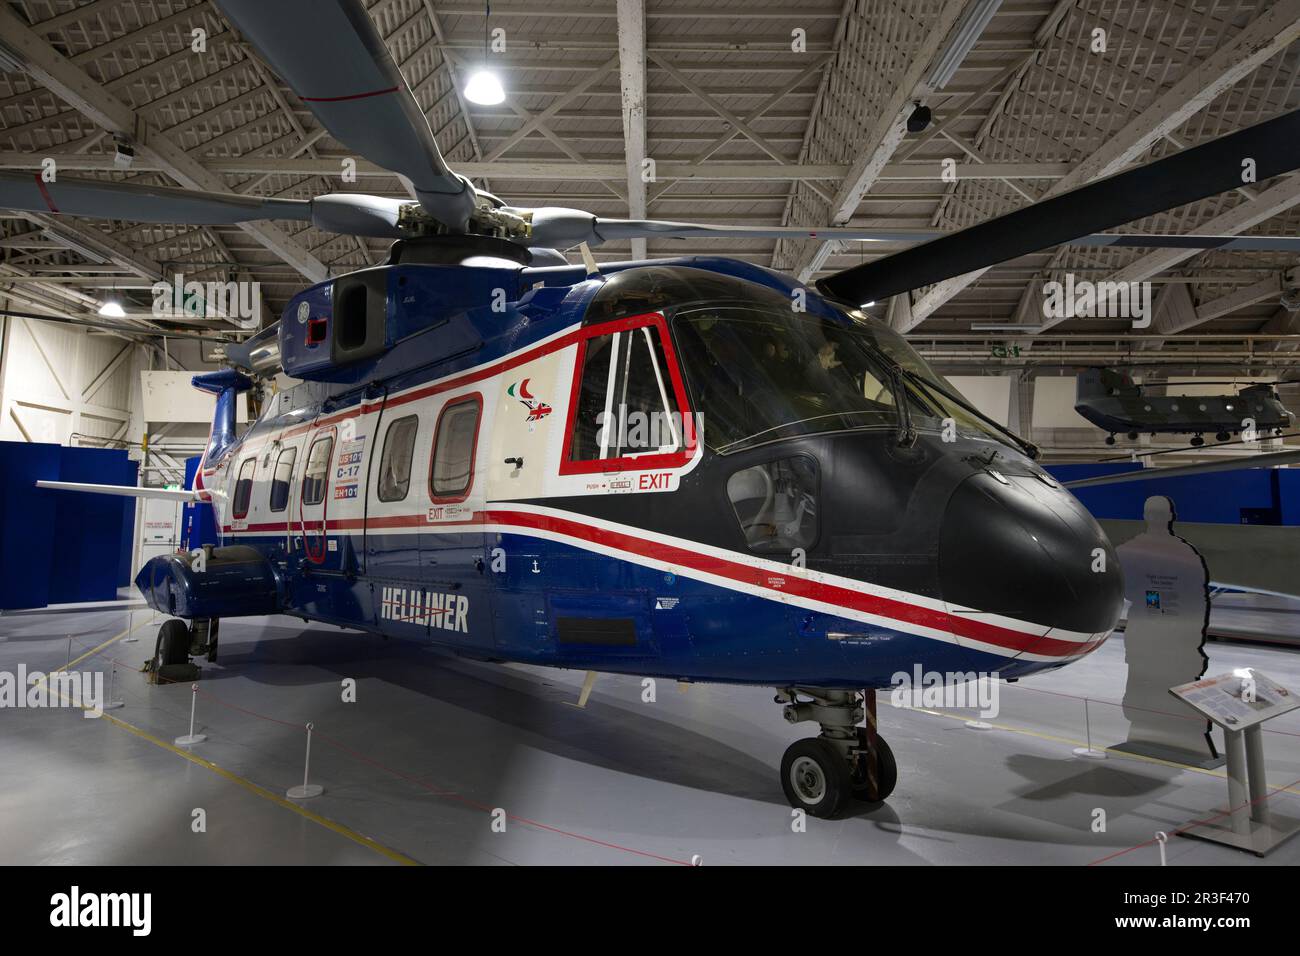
column 1110, row 399
column 656, row 468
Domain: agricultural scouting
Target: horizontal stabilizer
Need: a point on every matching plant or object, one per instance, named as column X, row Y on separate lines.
column 124, row 490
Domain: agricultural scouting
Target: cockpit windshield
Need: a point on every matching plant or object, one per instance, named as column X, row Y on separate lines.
column 759, row 371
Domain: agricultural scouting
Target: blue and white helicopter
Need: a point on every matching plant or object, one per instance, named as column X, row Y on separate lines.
column 693, row 469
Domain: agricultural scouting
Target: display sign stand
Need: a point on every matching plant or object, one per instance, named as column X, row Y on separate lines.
column 1239, row 703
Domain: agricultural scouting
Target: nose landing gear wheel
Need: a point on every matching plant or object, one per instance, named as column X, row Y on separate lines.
column 815, row 777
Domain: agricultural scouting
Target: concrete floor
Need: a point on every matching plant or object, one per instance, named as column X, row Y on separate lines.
column 433, row 745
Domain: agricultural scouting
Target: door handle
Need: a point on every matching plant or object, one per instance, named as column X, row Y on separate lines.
column 517, row 462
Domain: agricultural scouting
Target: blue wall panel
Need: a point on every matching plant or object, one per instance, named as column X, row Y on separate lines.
column 1248, row 496
column 27, row 543
column 63, row 546
column 88, row 527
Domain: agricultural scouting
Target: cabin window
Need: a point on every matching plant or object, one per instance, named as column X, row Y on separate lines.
column 316, row 475
column 776, row 504
column 395, row 465
column 627, row 401
column 281, row 477
column 454, row 443
column 244, row 487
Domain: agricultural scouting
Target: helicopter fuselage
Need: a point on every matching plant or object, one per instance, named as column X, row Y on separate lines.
column 473, row 484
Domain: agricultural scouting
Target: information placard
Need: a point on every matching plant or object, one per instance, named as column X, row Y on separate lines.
column 1237, row 700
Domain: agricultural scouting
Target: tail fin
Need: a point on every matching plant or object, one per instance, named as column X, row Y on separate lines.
column 226, row 384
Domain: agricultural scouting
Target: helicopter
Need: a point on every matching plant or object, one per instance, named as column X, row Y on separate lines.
column 694, row 469
column 1111, row 400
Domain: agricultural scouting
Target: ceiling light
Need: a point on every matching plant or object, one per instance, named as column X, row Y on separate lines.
column 485, row 89
column 964, row 36
column 112, row 309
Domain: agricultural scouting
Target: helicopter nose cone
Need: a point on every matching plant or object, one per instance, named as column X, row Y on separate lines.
column 1022, row 548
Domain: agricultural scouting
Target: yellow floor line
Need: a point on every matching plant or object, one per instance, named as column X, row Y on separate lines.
column 1080, row 743
column 248, row 785
column 262, row 792
column 95, row 650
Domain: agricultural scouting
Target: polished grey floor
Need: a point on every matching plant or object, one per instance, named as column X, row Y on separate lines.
column 414, row 769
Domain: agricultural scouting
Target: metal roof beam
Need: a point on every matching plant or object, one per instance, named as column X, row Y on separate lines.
column 79, row 90
column 1264, row 37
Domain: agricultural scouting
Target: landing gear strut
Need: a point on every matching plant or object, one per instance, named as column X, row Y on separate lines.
column 821, row 774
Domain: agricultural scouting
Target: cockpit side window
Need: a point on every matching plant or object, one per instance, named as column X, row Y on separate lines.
column 776, row 504
column 628, row 400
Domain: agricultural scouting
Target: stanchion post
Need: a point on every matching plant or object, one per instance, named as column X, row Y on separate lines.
column 192, row 738
column 110, row 703
column 307, row 789
column 1088, row 753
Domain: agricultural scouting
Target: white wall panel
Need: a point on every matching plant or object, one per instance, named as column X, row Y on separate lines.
column 61, row 383
column 170, row 397
column 991, row 394
column 1054, row 403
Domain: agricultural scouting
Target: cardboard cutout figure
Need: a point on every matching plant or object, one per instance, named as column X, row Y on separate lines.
column 1167, row 583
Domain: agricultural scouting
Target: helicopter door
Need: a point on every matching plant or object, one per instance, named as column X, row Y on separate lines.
column 314, row 497
column 452, row 542
column 394, row 513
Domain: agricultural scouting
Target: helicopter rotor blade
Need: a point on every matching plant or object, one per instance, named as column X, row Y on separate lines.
column 1267, row 460
column 333, row 58
column 349, row 213
column 1186, row 176
column 562, row 228
column 140, row 203
column 611, row 229
column 358, row 214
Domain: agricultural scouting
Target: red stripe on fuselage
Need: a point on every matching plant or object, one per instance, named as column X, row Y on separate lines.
column 738, row 571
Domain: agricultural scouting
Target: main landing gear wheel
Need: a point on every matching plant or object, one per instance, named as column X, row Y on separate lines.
column 821, row 774
column 815, row 777
column 886, row 770
column 173, row 644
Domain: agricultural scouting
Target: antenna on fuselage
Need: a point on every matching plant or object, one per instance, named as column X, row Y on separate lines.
column 589, row 260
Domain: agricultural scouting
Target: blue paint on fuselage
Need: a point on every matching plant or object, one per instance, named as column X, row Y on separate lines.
column 685, row 628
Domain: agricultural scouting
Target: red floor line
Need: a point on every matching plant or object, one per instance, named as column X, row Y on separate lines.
column 358, row 755
column 1197, row 823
